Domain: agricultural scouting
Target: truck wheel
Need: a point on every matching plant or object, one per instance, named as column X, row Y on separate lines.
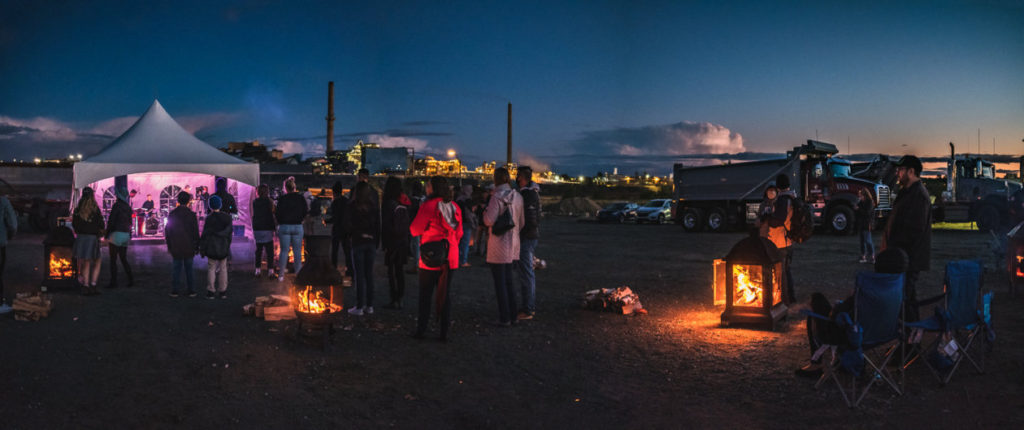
column 661, row 219
column 987, row 218
column 840, row 220
column 693, row 219
column 717, row 221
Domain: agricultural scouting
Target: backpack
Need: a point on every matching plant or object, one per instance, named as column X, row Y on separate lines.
column 801, row 223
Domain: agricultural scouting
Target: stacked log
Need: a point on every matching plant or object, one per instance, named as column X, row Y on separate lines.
column 619, row 300
column 31, row 306
column 270, row 308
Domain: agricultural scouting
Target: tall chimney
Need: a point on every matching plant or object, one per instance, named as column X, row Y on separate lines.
column 508, row 150
column 330, row 117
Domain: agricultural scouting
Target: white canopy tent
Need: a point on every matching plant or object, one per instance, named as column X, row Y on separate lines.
column 159, row 157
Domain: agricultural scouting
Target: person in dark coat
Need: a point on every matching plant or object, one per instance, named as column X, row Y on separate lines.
column 182, row 236
column 363, row 223
column 119, row 226
column 395, row 238
column 528, row 238
column 263, row 226
column 227, row 200
column 416, row 199
column 339, row 236
column 291, row 211
column 88, row 224
column 910, row 228
column 215, row 245
column 780, row 221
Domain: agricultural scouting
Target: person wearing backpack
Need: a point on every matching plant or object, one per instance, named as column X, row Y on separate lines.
column 469, row 224
column 395, row 238
column 528, row 237
column 215, row 245
column 438, row 223
column 779, row 224
column 504, row 216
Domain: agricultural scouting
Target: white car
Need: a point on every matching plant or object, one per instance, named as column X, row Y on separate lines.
column 657, row 211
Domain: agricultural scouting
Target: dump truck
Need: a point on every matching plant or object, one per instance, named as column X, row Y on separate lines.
column 973, row 194
column 727, row 197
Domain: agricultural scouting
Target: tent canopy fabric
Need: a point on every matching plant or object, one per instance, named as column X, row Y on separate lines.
column 156, row 143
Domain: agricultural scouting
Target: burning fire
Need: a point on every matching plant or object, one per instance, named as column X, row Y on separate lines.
column 60, row 267
column 315, row 303
column 748, row 290
column 1019, row 273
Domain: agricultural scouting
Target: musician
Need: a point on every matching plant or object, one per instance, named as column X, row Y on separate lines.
column 148, row 205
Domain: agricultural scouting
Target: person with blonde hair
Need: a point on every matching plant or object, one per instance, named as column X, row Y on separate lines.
column 87, row 222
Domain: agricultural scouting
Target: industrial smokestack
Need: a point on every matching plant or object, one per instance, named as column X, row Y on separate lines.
column 330, row 117
column 508, row 150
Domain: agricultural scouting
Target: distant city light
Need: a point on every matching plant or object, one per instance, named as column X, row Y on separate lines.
column 451, row 153
column 37, row 160
column 79, row 156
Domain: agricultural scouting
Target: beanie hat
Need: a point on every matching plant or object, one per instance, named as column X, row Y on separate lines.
column 215, row 202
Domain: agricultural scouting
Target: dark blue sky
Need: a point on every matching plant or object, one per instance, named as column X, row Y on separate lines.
column 593, row 84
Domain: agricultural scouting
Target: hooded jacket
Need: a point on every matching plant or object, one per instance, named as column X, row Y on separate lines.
column 504, row 249
column 215, row 243
column 910, row 227
column 531, row 211
column 182, row 233
column 437, row 220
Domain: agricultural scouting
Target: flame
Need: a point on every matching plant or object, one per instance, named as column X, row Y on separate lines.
column 314, row 302
column 748, row 292
column 1019, row 273
column 60, row 267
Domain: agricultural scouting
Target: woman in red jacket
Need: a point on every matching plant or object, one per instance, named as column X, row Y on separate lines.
column 438, row 219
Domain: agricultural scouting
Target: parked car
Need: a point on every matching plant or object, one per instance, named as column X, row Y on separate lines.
column 657, row 210
column 617, row 212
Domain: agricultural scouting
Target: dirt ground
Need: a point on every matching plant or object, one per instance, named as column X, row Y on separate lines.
column 136, row 358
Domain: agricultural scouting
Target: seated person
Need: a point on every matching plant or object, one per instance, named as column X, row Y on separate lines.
column 892, row 260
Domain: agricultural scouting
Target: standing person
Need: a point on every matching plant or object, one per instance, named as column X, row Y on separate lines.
column 482, row 231
column 865, row 214
column 363, row 176
column 364, row 225
column 469, row 224
column 119, row 227
column 394, row 221
column 182, row 233
column 339, row 235
column 88, row 224
column 215, row 245
column 263, row 226
column 765, row 211
column 439, row 219
column 291, row 210
column 528, row 237
column 503, row 247
column 779, row 223
column 8, row 226
column 416, row 199
column 227, row 200
column 910, row 228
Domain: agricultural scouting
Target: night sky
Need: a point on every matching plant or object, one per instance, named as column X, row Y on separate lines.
column 594, row 84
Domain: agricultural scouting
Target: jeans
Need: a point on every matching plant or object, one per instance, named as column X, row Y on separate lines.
column 290, row 236
column 527, row 279
column 212, row 279
column 346, row 246
column 506, row 292
column 428, row 280
column 363, row 255
column 396, row 282
column 464, row 246
column 867, row 247
column 269, row 249
column 177, row 266
column 414, row 245
column 119, row 253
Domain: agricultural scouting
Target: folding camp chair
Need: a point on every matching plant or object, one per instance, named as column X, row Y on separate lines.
column 963, row 317
column 873, row 336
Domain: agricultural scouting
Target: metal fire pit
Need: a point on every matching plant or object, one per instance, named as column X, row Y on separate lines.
column 753, row 293
column 319, row 278
column 60, row 240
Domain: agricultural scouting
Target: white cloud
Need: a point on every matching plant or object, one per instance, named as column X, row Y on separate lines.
column 524, row 159
column 681, row 138
column 306, row 149
column 386, row 141
column 38, row 129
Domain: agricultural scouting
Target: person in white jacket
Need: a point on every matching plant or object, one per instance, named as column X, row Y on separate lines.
column 503, row 247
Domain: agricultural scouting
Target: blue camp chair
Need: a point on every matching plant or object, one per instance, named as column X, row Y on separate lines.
column 963, row 317
column 872, row 340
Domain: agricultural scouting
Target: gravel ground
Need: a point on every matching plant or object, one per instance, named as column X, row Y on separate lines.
column 136, row 358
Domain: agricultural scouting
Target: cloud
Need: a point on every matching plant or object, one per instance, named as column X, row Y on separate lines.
column 196, row 123
column 681, row 138
column 524, row 159
column 309, row 149
column 388, row 141
column 38, row 129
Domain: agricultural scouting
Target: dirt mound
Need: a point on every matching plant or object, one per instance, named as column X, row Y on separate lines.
column 574, row 206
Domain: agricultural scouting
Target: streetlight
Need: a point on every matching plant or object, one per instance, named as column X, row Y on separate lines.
column 451, row 153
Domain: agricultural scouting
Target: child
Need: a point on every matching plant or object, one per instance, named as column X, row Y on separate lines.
column 215, row 245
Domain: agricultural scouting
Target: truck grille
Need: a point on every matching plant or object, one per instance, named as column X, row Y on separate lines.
column 883, row 196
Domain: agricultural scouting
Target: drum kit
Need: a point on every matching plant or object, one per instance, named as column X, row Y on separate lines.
column 147, row 222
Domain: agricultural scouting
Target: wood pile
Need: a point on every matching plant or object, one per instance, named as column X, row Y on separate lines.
column 619, row 300
column 270, row 308
column 31, row 306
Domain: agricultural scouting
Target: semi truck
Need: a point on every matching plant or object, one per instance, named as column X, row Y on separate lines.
column 726, row 197
column 973, row 194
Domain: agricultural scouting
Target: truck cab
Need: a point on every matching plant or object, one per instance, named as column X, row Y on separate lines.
column 974, row 194
column 832, row 191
